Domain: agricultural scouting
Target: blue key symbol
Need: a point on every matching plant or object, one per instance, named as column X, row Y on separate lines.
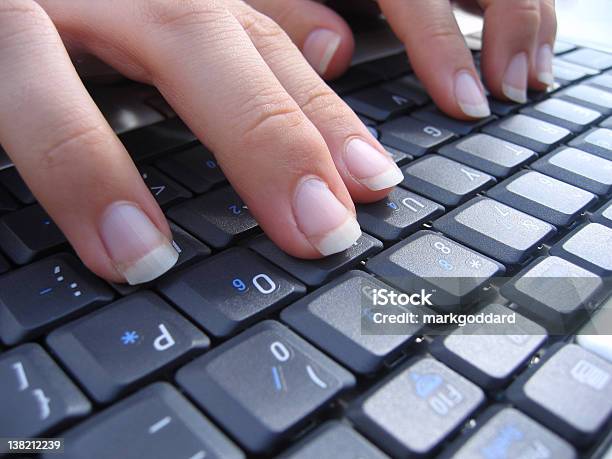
column 130, row 337
column 392, row 205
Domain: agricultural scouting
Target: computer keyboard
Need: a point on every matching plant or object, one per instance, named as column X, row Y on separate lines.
column 242, row 350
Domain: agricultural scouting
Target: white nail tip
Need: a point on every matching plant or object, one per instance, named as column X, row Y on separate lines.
column 547, row 78
column 340, row 238
column 330, row 50
column 515, row 94
column 387, row 179
column 475, row 111
column 152, row 265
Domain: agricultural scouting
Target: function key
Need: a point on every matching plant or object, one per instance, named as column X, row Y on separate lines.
column 38, row 296
column 562, row 113
column 589, row 246
column 110, row 350
column 230, row 290
column 37, row 394
column 495, row 229
column 589, row 58
column 157, row 422
column 439, row 402
column 570, row 392
column 262, row 385
column 413, row 136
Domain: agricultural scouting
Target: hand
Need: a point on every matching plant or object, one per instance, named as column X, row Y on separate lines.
column 296, row 154
column 517, row 51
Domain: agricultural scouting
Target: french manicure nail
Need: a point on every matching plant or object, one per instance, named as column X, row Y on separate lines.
column 470, row 97
column 544, row 65
column 139, row 251
column 370, row 167
column 514, row 85
column 320, row 47
column 323, row 219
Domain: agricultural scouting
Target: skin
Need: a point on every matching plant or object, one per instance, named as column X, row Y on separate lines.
column 235, row 74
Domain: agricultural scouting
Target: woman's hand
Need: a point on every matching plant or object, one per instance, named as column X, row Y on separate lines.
column 517, row 50
column 296, row 154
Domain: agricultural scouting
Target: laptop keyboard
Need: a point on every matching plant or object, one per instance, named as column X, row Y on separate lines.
column 242, row 350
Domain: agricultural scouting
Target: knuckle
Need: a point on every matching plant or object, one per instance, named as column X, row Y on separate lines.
column 320, row 99
column 72, row 143
column 22, row 16
column 527, row 11
column 178, row 13
column 258, row 25
column 439, row 31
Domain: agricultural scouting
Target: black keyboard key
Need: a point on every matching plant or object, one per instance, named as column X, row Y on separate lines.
column 570, row 392
column 495, row 229
column 4, row 266
column 163, row 137
column 195, row 168
column 588, row 96
column 601, row 81
column 413, row 136
column 7, row 204
column 431, row 114
column 29, row 233
column 504, row 433
column 389, row 67
column 489, row 353
column 316, row 272
column 342, row 331
column 354, row 78
column 165, row 191
column 155, row 423
column 378, row 103
column 412, row 413
column 35, row 395
column 13, row 182
column 397, row 215
column 409, row 87
column 597, row 141
column 444, row 180
column 544, row 197
column 429, row 261
column 337, row 437
column 562, row 113
column 502, row 107
column 38, row 296
column 589, row 58
column 553, row 292
column 578, row 168
column 230, row 290
column 532, row 133
column 589, row 247
column 110, row 350
column 603, row 215
column 399, row 157
column 489, row 154
column 218, row 218
column 283, row 380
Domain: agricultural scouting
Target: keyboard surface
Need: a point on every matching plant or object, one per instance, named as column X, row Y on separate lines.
column 241, row 350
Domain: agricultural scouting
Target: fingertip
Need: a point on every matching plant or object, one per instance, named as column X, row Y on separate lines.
column 329, row 51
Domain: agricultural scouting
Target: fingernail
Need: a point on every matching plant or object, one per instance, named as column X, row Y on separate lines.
column 470, row 97
column 139, row 251
column 320, row 47
column 514, row 85
column 544, row 65
column 322, row 218
column 370, row 167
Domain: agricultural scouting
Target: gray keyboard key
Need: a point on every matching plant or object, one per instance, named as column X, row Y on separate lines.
column 603, row 215
column 554, row 292
column 562, row 113
column 339, row 330
column 570, row 392
column 262, row 385
column 505, row 433
column 336, row 437
column 589, row 58
column 437, row 399
column 601, row 81
column 444, row 180
column 489, row 154
column 495, row 229
column 490, row 354
column 413, row 136
column 588, row 96
column 578, row 168
column 35, row 395
column 544, row 197
column 431, row 114
column 397, row 215
column 607, row 123
column 590, row 247
column 426, row 260
column 597, row 141
column 529, row 132
column 561, row 47
column 155, row 423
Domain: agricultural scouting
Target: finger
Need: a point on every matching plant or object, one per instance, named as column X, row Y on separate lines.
column 438, row 55
column 69, row 156
column 509, row 37
column 205, row 65
column 542, row 75
column 367, row 170
column 323, row 36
